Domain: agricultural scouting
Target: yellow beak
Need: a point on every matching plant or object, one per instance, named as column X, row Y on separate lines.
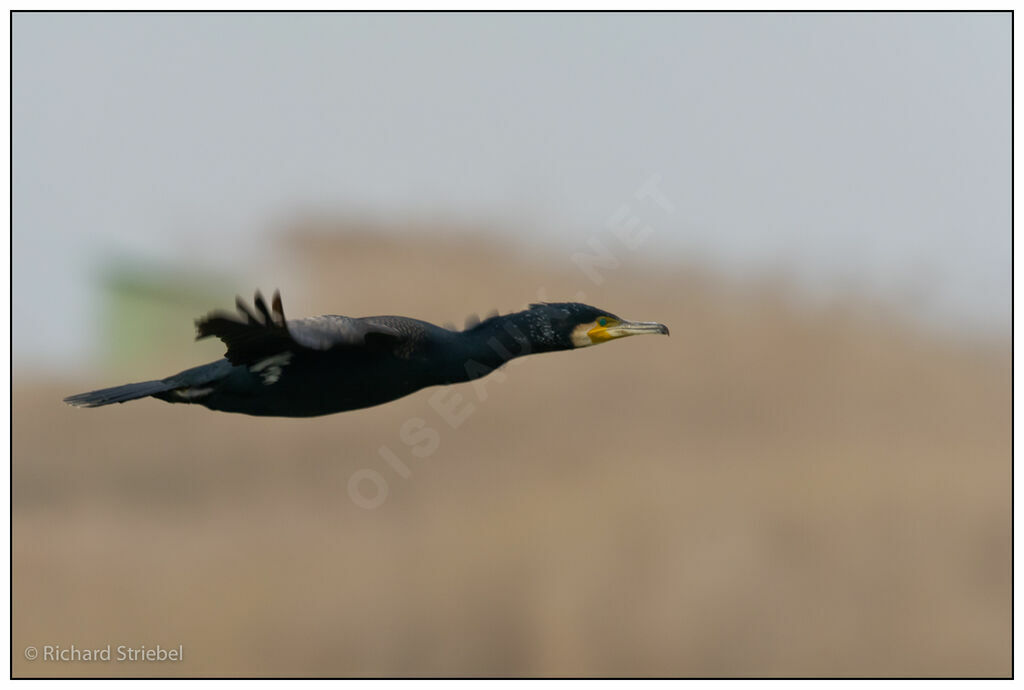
column 600, row 334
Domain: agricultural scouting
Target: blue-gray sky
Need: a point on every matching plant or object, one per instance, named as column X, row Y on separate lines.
column 864, row 150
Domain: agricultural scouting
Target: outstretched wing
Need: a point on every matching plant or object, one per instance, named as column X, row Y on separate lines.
column 251, row 337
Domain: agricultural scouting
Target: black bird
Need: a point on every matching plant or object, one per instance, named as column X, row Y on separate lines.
column 327, row 364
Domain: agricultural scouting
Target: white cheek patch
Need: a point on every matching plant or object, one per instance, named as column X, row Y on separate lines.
column 580, row 336
column 270, row 368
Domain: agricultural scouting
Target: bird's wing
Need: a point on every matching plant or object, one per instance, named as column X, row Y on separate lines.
column 251, row 337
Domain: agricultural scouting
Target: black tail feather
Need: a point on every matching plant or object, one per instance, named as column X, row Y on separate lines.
column 118, row 394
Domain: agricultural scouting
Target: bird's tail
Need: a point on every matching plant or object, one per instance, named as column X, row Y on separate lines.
column 118, row 394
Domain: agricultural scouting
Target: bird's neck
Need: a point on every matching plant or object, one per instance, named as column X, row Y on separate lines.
column 497, row 340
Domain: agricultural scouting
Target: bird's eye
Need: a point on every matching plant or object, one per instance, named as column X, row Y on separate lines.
column 602, row 321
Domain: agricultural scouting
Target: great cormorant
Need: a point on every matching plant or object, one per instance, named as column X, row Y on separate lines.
column 326, row 364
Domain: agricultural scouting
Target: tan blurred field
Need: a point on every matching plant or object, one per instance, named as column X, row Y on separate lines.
column 775, row 490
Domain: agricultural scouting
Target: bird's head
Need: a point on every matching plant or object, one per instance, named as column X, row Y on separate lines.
column 574, row 325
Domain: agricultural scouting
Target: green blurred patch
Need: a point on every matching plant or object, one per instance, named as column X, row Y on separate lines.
column 148, row 316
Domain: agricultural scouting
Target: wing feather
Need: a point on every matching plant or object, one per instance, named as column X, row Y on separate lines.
column 251, row 338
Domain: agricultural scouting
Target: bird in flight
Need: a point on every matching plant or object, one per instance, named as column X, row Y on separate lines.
column 327, row 364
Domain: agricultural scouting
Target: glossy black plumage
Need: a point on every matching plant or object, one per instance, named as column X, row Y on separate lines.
column 326, row 364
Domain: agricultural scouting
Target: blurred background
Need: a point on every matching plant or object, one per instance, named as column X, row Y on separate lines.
column 810, row 477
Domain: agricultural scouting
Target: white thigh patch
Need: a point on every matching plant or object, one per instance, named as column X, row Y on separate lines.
column 270, row 368
column 192, row 393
